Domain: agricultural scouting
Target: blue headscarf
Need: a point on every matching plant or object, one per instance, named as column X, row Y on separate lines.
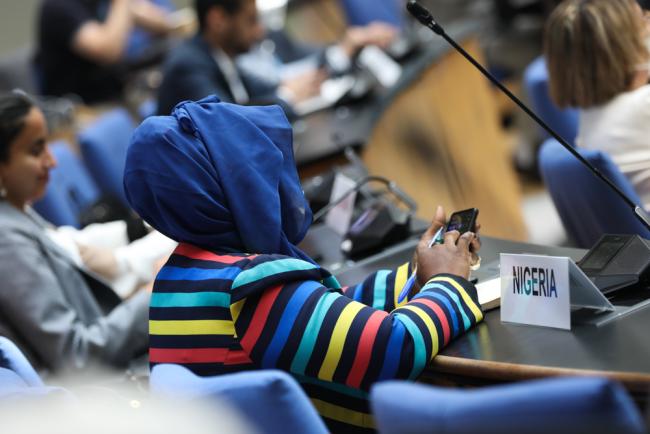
column 219, row 176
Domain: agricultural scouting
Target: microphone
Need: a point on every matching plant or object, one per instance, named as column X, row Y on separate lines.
column 391, row 186
column 421, row 13
column 380, row 225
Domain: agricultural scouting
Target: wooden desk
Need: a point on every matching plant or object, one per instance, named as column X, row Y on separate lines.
column 494, row 352
column 442, row 142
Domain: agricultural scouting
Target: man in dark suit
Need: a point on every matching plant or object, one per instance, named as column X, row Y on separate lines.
column 204, row 64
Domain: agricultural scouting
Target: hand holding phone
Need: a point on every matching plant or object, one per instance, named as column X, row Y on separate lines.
column 452, row 257
column 461, row 221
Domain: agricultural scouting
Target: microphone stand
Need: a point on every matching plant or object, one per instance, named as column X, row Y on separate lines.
column 425, row 18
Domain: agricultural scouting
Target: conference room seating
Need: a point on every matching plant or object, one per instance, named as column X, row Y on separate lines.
column 11, row 358
column 563, row 121
column 550, row 406
column 103, row 146
column 71, row 189
column 19, row 380
column 272, row 401
column 587, row 207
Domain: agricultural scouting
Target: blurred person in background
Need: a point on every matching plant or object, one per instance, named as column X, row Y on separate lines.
column 82, row 44
column 206, row 64
column 55, row 303
column 598, row 61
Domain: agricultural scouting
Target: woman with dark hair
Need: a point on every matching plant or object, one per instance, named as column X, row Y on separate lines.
column 598, row 61
column 52, row 304
column 238, row 294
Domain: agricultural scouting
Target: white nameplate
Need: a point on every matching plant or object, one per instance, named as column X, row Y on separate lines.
column 535, row 290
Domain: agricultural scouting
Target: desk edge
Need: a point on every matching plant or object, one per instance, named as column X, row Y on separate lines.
column 501, row 371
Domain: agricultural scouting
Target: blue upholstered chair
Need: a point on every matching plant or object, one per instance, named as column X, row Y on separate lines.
column 13, row 359
column 362, row 12
column 587, row 207
column 563, row 121
column 555, row 406
column 18, row 379
column 272, row 401
column 103, row 146
column 70, row 190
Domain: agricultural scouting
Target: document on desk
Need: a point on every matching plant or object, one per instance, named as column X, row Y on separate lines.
column 331, row 91
column 489, row 293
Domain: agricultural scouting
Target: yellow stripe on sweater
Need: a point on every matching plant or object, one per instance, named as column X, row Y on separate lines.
column 203, row 327
column 433, row 331
column 400, row 280
column 468, row 300
column 342, row 414
column 337, row 341
column 236, row 308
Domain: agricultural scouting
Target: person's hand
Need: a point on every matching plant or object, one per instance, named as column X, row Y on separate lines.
column 376, row 33
column 151, row 17
column 303, row 86
column 452, row 257
column 100, row 260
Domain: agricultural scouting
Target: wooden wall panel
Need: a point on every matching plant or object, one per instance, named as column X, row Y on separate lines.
column 441, row 141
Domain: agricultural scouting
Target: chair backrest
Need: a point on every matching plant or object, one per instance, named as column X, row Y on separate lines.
column 70, row 190
column 563, row 121
column 587, row 207
column 271, row 400
column 557, row 406
column 103, row 146
column 11, row 358
column 362, row 12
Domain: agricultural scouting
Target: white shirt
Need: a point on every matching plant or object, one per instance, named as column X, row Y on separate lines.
column 230, row 73
column 621, row 128
column 135, row 260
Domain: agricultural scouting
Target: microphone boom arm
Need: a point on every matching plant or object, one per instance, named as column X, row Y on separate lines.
column 426, row 19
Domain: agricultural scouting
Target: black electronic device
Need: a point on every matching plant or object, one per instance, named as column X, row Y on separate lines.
column 380, row 225
column 618, row 261
column 463, row 221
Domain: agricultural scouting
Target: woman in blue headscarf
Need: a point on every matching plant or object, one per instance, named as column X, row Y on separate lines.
column 237, row 294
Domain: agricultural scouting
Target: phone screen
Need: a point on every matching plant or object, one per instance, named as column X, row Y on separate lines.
column 463, row 221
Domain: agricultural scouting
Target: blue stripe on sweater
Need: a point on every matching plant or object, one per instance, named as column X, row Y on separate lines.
column 393, row 352
column 286, row 322
column 177, row 273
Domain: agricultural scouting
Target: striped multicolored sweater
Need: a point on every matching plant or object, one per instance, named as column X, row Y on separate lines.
column 223, row 313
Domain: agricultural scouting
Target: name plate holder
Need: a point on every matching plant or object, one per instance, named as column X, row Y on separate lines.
column 545, row 290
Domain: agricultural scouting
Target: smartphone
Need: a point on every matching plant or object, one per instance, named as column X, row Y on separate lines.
column 461, row 221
